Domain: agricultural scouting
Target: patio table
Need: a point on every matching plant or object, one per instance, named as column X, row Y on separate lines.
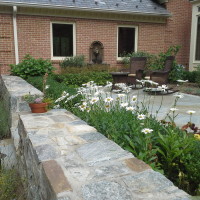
column 119, row 77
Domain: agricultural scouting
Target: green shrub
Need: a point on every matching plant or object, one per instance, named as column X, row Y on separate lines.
column 177, row 73
column 31, row 67
column 55, row 88
column 87, row 68
column 192, row 169
column 190, row 76
column 197, row 79
column 100, row 78
column 76, row 61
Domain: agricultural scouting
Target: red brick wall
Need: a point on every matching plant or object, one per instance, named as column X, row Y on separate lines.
column 34, row 36
column 7, row 53
column 178, row 28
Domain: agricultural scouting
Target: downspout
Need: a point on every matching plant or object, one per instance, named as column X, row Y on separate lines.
column 15, row 34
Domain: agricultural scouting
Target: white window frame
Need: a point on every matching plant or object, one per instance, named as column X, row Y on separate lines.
column 74, row 40
column 136, row 38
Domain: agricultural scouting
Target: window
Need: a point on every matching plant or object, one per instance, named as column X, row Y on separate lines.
column 63, row 40
column 197, row 53
column 126, row 40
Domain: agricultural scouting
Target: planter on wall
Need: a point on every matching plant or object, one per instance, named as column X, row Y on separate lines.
column 38, row 107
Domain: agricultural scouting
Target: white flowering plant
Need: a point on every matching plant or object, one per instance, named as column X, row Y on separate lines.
column 128, row 120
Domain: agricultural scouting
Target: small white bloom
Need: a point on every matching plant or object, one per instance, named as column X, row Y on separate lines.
column 94, row 100
column 141, row 116
column 116, row 91
column 190, row 112
column 123, row 105
column 130, row 108
column 147, row 130
column 134, row 98
column 82, row 107
column 46, row 87
column 88, row 109
column 108, row 99
column 173, row 109
column 121, row 95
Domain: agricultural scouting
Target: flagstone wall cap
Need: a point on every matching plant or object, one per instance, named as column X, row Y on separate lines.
column 143, row 7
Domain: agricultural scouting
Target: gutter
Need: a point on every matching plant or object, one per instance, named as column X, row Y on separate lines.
column 15, row 34
column 8, row 3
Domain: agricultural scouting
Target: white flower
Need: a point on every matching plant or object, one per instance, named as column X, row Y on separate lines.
column 116, row 91
column 123, row 105
column 182, row 81
column 147, row 130
column 88, row 109
column 82, row 107
column 178, row 96
column 134, row 98
column 108, row 99
column 46, row 87
column 130, row 108
column 173, row 109
column 94, row 100
column 141, row 116
column 56, row 106
column 190, row 112
column 121, row 95
column 65, row 94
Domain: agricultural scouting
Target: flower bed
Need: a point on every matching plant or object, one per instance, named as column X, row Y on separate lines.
column 130, row 123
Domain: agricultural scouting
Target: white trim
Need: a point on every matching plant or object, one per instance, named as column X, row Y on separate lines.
column 51, row 39
column 136, row 38
column 15, row 35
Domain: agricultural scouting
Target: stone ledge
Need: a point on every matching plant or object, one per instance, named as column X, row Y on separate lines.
column 56, row 176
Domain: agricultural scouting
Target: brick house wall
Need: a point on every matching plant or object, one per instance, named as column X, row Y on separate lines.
column 178, row 28
column 7, row 55
column 34, row 35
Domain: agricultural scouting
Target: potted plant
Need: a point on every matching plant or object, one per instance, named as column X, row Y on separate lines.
column 37, row 104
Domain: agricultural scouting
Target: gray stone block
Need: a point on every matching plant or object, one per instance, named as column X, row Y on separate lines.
column 92, row 137
column 24, row 107
column 47, row 152
column 147, row 182
column 105, row 190
column 101, row 151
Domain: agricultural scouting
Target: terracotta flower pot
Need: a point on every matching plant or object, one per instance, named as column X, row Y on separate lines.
column 38, row 107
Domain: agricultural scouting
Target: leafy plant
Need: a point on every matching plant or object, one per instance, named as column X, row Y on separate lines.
column 31, row 67
column 197, row 79
column 76, row 61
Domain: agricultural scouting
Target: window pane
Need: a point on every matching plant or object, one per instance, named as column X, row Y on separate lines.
column 126, row 40
column 62, row 40
column 197, row 55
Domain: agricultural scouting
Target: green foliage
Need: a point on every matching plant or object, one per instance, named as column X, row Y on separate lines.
column 4, row 119
column 87, row 68
column 177, row 73
column 197, row 79
column 192, row 169
column 31, row 67
column 55, row 88
column 76, row 61
column 190, row 76
column 9, row 184
column 126, row 57
column 156, row 62
column 78, row 79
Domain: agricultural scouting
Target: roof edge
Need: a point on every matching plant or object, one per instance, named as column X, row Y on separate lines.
column 81, row 9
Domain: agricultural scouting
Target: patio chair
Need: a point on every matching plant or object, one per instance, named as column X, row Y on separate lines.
column 161, row 76
column 137, row 67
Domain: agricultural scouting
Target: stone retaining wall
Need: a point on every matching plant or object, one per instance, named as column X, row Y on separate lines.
column 60, row 157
